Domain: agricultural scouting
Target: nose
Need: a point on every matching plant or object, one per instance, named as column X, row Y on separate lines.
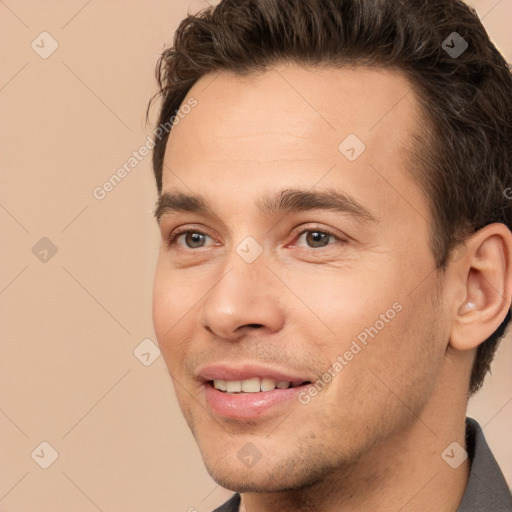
column 246, row 298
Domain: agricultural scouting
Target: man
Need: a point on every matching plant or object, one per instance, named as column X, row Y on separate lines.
column 335, row 268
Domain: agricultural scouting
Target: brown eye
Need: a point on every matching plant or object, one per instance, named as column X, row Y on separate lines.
column 317, row 238
column 194, row 240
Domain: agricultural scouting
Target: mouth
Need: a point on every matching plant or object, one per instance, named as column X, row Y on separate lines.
column 268, row 401
column 253, row 385
column 248, row 390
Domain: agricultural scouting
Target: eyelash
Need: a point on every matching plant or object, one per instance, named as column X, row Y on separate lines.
column 173, row 236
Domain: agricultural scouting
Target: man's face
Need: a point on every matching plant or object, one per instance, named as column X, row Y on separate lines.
column 285, row 294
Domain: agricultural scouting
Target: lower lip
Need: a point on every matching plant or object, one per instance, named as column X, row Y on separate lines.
column 246, row 406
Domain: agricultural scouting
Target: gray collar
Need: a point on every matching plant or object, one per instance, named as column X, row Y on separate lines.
column 486, row 489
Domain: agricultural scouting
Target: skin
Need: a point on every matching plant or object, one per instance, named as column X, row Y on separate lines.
column 372, row 439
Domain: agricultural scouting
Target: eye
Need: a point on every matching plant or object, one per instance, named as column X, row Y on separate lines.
column 192, row 239
column 317, row 238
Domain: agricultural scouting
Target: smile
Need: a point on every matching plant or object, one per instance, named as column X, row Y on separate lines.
column 252, row 385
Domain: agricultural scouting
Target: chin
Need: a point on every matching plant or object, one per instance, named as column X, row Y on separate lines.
column 277, row 475
column 251, row 480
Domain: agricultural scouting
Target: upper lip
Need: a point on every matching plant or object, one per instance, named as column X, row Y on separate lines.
column 230, row 371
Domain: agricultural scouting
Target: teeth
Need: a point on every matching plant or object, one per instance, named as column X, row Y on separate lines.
column 220, row 385
column 252, row 385
column 234, row 386
column 268, row 384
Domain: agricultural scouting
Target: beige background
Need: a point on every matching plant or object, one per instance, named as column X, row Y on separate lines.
column 68, row 373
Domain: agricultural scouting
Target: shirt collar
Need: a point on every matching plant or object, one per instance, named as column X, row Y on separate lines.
column 486, row 488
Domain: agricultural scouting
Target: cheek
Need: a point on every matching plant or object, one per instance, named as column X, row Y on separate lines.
column 169, row 319
column 343, row 302
column 161, row 307
column 377, row 327
column 388, row 379
column 405, row 356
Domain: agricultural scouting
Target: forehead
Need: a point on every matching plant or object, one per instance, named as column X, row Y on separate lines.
column 289, row 125
column 289, row 109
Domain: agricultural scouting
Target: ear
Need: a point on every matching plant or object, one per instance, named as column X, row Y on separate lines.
column 484, row 286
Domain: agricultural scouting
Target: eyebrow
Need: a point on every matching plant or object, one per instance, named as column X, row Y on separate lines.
column 284, row 201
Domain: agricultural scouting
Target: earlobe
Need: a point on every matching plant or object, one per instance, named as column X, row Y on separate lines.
column 485, row 274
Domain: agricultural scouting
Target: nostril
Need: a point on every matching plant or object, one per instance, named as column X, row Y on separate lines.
column 256, row 326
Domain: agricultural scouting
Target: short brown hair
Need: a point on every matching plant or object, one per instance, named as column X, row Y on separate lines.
column 464, row 152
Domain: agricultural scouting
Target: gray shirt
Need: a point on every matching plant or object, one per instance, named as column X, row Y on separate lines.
column 486, row 490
